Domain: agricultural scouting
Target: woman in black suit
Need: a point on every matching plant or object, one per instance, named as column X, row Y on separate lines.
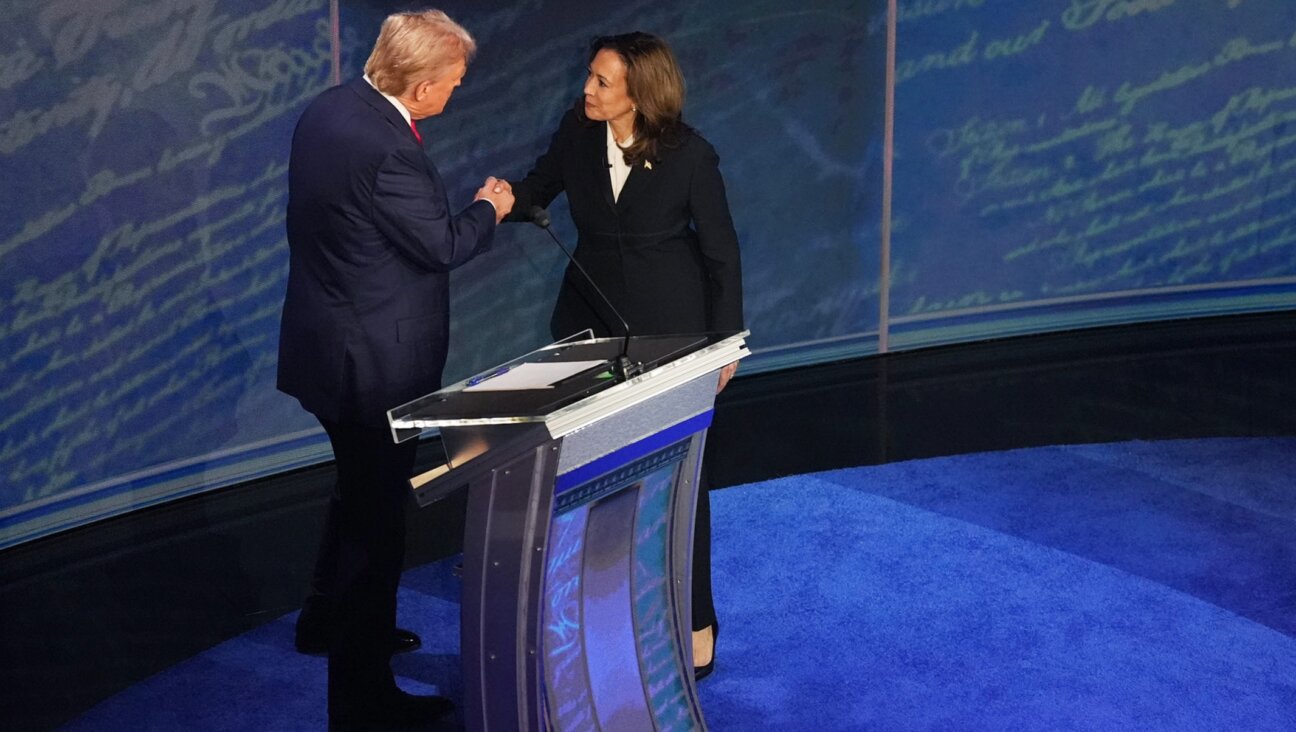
column 654, row 230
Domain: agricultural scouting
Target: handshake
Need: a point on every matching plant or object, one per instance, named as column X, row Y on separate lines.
column 498, row 192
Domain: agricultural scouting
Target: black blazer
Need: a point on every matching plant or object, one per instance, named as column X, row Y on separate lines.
column 371, row 241
column 665, row 253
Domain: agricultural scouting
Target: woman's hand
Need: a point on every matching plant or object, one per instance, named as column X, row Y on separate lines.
column 726, row 374
column 500, row 193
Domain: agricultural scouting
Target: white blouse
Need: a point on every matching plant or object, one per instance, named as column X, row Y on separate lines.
column 618, row 171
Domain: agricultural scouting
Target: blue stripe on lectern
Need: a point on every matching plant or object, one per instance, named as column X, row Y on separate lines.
column 632, row 452
column 622, row 476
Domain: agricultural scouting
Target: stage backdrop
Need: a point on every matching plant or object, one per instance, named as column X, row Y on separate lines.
column 143, row 152
column 1057, row 163
column 142, row 252
column 1063, row 163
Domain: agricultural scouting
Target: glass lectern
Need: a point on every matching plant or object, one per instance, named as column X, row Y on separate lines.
column 577, row 548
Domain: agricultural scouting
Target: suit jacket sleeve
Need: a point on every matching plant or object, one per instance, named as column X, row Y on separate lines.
column 718, row 243
column 546, row 179
column 411, row 210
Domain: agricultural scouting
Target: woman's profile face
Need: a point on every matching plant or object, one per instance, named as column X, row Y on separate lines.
column 606, row 95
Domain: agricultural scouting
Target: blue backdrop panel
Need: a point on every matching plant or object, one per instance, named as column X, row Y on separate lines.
column 144, row 151
column 142, row 257
column 1069, row 162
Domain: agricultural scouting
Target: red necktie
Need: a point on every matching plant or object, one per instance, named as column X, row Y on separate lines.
column 417, row 136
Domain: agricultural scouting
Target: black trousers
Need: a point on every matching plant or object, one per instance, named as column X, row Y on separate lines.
column 358, row 567
column 704, row 613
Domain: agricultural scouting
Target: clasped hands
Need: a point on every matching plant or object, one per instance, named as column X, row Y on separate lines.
column 499, row 192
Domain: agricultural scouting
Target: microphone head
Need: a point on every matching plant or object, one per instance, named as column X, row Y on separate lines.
column 539, row 216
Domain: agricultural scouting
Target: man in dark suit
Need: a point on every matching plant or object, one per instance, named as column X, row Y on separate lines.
column 365, row 321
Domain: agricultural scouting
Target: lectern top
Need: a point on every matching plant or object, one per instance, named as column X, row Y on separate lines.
column 665, row 360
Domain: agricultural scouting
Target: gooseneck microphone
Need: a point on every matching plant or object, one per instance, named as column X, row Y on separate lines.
column 622, row 367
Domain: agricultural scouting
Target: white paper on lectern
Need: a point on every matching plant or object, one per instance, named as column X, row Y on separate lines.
column 533, row 376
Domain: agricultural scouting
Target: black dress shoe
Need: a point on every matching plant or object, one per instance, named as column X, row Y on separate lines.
column 398, row 710
column 312, row 642
column 404, row 641
column 701, row 672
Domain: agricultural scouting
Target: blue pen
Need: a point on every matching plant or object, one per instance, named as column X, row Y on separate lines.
column 474, row 381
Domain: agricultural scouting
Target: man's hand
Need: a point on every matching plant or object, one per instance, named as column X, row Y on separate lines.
column 498, row 192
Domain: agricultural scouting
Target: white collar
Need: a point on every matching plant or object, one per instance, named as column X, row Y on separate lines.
column 616, row 153
column 618, row 170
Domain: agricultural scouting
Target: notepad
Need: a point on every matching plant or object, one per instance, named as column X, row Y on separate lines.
column 533, row 376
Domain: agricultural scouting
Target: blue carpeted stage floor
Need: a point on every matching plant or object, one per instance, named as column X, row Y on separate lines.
column 1141, row 585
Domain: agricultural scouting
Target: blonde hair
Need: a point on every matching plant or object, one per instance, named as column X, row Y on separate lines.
column 414, row 47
